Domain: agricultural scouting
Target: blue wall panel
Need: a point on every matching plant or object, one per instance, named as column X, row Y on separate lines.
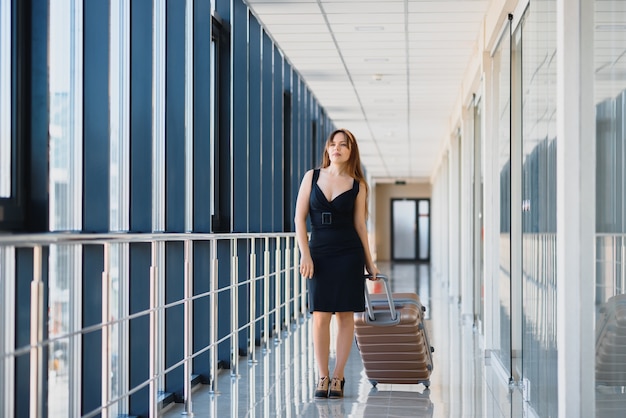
column 141, row 12
column 201, row 179
column 254, row 127
column 174, row 316
column 240, row 153
column 139, row 328
column 175, row 117
column 91, row 360
column 289, row 182
column 96, row 117
column 267, row 142
column 23, row 279
column 141, row 116
column 174, row 189
column 240, row 116
column 278, row 169
column 96, row 168
column 202, row 116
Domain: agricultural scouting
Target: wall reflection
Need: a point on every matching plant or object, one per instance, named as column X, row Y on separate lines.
column 610, row 101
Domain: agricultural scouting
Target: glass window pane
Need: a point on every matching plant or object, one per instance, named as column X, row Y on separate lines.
column 66, row 150
column 502, row 95
column 404, row 229
column 539, row 142
column 610, row 103
column 65, row 114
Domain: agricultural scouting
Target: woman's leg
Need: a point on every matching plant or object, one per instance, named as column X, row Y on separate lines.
column 345, row 337
column 321, row 340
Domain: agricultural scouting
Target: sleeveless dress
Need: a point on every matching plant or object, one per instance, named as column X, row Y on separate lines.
column 337, row 252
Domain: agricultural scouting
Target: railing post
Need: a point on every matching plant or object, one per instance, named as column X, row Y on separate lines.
column 287, row 285
column 622, row 276
column 252, row 323
column 234, row 310
column 36, row 336
column 213, row 321
column 188, row 333
column 277, row 292
column 106, row 330
column 153, row 395
column 296, row 281
column 266, row 295
column 303, row 288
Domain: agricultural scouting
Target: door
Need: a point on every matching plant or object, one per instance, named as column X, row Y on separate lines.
column 410, row 230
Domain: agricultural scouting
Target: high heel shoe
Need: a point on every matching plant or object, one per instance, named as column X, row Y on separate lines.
column 321, row 391
column 336, row 388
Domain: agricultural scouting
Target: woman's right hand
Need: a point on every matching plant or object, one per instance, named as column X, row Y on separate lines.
column 306, row 267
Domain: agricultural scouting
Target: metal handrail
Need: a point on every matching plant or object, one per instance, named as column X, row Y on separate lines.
column 284, row 269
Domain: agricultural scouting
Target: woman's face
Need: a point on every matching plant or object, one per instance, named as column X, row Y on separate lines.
column 339, row 148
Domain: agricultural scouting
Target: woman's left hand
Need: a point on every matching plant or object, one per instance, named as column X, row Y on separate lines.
column 372, row 270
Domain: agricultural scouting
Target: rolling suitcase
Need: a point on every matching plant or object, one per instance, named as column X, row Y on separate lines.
column 392, row 338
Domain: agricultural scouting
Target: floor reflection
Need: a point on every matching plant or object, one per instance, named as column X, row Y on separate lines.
column 281, row 383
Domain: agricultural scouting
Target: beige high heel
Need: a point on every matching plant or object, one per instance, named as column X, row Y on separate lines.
column 336, row 388
column 321, row 391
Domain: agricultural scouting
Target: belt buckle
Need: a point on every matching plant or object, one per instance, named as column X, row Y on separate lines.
column 327, row 218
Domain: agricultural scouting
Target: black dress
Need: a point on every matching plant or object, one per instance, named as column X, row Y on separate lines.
column 337, row 252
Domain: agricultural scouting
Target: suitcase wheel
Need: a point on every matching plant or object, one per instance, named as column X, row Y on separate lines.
column 423, row 308
column 420, row 326
column 374, row 382
column 427, row 384
column 432, row 349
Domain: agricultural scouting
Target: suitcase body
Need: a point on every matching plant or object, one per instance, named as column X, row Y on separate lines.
column 392, row 338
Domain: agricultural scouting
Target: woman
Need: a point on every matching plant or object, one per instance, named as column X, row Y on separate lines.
column 335, row 197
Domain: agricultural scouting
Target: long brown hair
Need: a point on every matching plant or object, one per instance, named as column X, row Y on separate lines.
column 353, row 163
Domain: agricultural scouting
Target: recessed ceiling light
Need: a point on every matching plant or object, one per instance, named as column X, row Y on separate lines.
column 377, row 77
column 610, row 28
column 369, row 28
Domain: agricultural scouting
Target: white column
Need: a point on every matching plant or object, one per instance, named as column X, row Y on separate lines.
column 575, row 208
column 454, row 237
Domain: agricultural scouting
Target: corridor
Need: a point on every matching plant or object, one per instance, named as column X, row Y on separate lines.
column 281, row 383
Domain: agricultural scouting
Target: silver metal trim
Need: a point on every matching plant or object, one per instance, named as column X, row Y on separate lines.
column 188, row 332
column 287, row 289
column 189, row 109
column 7, row 334
column 213, row 318
column 234, row 310
column 368, row 304
column 106, row 332
column 36, row 337
column 277, row 291
column 252, row 303
column 153, row 351
column 266, row 296
column 158, row 116
column 5, row 99
column 119, row 122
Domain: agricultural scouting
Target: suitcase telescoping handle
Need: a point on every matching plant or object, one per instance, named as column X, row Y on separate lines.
column 368, row 304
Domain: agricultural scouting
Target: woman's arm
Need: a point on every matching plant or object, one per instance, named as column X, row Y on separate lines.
column 361, row 228
column 302, row 212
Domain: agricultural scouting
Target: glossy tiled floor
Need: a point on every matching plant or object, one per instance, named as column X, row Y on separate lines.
column 281, row 383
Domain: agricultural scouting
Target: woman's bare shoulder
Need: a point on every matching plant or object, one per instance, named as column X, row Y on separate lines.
column 308, row 175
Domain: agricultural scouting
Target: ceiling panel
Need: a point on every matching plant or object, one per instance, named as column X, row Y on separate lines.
column 390, row 70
